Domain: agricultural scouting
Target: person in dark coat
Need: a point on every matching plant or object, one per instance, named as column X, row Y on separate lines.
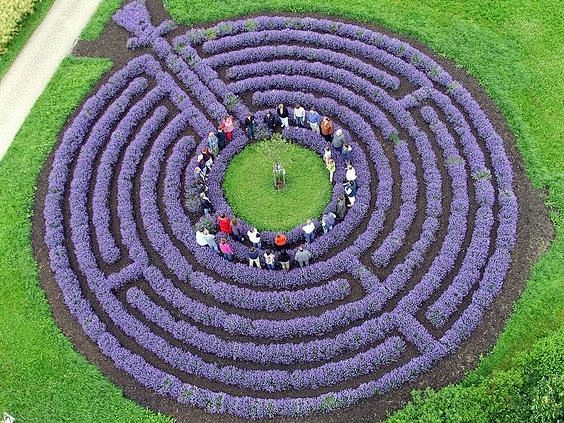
column 284, row 260
column 350, row 192
column 254, row 257
column 205, row 203
column 249, row 125
column 271, row 120
column 221, row 138
column 341, row 208
column 283, row 114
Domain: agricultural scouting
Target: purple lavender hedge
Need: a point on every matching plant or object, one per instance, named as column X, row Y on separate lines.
column 395, row 287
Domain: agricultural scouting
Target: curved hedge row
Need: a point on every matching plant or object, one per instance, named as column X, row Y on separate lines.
column 394, row 288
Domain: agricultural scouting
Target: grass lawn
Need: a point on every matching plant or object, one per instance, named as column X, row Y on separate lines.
column 43, row 378
column 101, row 17
column 249, row 185
column 514, row 49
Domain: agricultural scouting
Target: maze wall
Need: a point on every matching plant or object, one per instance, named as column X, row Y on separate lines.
column 393, row 289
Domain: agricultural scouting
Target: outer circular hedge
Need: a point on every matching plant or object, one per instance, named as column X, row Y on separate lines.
column 397, row 286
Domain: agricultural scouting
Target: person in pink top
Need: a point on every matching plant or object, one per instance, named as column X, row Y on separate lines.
column 227, row 126
column 226, row 249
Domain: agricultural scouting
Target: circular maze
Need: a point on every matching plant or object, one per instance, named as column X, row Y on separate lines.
column 392, row 290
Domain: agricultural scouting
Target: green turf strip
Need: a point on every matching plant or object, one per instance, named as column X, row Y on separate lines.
column 103, row 14
column 42, row 377
column 249, row 185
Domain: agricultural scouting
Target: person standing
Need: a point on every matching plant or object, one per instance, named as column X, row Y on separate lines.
column 299, row 115
column 250, row 126
column 221, row 138
column 226, row 249
column 284, row 260
column 314, row 119
column 341, row 208
column 350, row 174
column 327, row 153
column 210, row 240
column 224, row 224
column 236, row 229
column 331, row 168
column 269, row 258
column 205, row 204
column 201, row 237
column 326, row 128
column 346, row 153
column 271, row 120
column 328, row 221
column 280, row 241
column 227, row 126
column 350, row 191
column 283, row 115
column 309, row 231
column 254, row 257
column 303, row 256
column 200, row 175
column 254, row 237
column 338, row 140
column 213, row 144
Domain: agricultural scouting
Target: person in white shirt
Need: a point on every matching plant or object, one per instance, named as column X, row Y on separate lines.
column 299, row 115
column 327, row 153
column 269, row 258
column 254, row 237
column 201, row 238
column 204, row 238
column 350, row 174
column 309, row 231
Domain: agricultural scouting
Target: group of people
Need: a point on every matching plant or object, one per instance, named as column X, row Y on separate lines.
column 336, row 141
column 231, row 228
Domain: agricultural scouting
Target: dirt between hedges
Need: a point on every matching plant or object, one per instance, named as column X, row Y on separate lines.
column 534, row 234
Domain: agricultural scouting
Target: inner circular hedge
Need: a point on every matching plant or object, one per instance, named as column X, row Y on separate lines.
column 249, row 185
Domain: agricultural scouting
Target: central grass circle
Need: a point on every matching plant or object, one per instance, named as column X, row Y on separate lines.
column 249, row 185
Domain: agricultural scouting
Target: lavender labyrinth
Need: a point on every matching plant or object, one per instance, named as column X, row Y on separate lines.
column 398, row 285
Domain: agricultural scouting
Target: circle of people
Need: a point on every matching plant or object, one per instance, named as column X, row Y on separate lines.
column 231, row 226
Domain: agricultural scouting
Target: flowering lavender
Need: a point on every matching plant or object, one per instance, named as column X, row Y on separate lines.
column 398, row 284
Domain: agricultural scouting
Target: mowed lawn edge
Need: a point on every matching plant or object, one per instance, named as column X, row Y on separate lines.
column 41, row 373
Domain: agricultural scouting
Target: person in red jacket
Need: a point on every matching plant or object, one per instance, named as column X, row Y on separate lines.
column 280, row 241
column 224, row 224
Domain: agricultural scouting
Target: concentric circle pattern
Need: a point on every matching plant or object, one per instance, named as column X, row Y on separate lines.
column 393, row 289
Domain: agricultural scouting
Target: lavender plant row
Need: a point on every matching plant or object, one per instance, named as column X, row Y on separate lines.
column 186, row 314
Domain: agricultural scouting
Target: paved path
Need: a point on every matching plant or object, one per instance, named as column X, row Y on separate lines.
column 28, row 76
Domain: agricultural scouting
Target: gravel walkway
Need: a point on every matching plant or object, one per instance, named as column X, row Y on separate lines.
column 28, row 76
